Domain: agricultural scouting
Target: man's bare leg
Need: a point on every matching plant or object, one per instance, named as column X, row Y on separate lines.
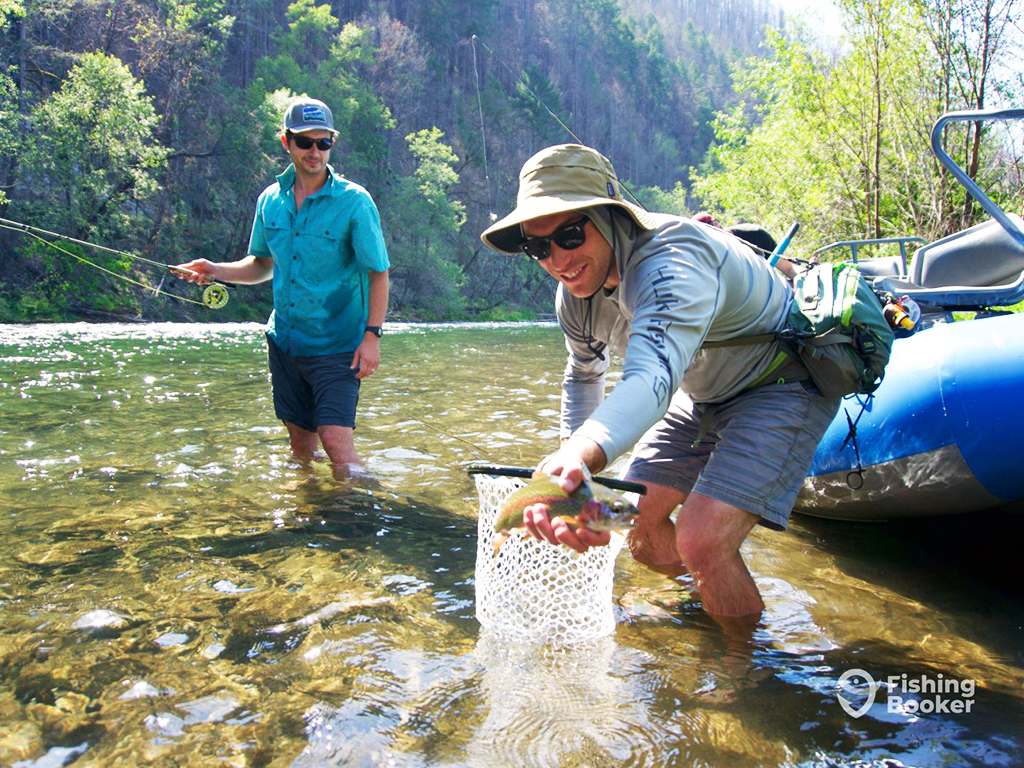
column 303, row 442
column 339, row 443
column 653, row 541
column 709, row 534
column 705, row 541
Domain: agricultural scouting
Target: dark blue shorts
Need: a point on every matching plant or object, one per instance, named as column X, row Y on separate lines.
column 315, row 391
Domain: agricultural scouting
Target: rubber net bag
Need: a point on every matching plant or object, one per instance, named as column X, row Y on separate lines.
column 532, row 591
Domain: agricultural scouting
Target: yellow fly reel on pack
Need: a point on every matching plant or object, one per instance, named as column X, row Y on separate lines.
column 215, row 296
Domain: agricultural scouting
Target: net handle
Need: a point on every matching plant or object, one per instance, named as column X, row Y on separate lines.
column 608, row 482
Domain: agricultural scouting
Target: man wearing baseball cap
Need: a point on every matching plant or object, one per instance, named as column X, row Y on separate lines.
column 727, row 433
column 318, row 236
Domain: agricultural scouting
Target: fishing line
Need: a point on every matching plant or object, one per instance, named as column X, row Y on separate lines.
column 540, row 101
column 215, row 295
column 477, row 448
column 579, row 140
column 483, row 135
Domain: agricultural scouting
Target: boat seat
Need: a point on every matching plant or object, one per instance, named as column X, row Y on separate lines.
column 881, row 266
column 980, row 266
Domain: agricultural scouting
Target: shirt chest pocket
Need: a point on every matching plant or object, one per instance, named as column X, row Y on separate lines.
column 322, row 255
column 279, row 238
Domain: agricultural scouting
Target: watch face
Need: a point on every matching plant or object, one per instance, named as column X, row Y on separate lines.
column 376, row 330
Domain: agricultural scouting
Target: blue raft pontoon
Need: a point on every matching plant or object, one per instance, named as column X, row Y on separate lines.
column 944, row 433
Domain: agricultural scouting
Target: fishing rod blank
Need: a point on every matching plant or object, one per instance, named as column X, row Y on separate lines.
column 215, row 295
column 525, row 473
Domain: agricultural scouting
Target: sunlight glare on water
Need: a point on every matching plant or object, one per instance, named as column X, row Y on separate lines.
column 176, row 589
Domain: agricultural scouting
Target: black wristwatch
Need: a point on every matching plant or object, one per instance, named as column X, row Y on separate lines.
column 376, row 330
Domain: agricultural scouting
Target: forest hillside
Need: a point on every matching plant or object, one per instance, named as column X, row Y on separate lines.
column 149, row 127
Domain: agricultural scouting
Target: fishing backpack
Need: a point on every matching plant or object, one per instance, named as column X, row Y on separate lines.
column 835, row 328
column 842, row 338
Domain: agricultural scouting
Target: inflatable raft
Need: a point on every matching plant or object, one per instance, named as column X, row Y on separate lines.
column 944, row 433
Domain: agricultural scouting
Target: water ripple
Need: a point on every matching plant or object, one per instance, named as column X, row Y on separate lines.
column 175, row 588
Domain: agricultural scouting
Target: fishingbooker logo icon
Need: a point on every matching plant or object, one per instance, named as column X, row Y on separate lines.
column 852, row 690
column 905, row 694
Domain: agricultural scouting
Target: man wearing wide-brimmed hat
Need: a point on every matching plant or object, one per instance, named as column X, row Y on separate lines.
column 727, row 433
column 318, row 235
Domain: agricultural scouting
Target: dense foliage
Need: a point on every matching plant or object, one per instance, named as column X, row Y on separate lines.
column 149, row 126
column 840, row 142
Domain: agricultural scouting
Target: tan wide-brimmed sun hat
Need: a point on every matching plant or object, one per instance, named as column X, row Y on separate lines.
column 562, row 178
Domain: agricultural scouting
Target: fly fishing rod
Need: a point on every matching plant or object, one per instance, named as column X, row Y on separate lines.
column 523, row 472
column 780, row 249
column 772, row 256
column 526, row 87
column 215, row 295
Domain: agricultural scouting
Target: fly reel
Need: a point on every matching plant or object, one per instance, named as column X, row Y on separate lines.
column 215, row 296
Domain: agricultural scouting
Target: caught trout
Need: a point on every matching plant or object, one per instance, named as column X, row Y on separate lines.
column 590, row 506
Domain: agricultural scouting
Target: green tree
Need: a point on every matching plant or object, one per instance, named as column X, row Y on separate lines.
column 841, row 145
column 9, row 117
column 768, row 165
column 674, row 201
column 311, row 28
column 978, row 46
column 92, row 155
column 88, row 166
column 10, row 8
column 425, row 279
column 9, row 130
column 532, row 99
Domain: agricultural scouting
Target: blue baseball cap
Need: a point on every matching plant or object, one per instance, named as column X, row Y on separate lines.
column 308, row 115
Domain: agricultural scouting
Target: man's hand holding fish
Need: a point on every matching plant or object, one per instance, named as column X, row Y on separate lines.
column 570, row 465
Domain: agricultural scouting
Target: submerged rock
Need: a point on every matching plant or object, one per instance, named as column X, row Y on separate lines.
column 100, row 619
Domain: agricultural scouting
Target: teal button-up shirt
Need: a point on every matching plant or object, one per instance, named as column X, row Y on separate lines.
column 322, row 256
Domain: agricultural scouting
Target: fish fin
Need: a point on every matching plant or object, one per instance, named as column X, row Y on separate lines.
column 503, row 536
column 499, row 539
column 572, row 520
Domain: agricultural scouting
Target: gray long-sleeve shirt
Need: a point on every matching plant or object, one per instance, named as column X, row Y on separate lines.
column 680, row 285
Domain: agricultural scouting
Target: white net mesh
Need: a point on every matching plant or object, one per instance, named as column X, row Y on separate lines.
column 533, row 591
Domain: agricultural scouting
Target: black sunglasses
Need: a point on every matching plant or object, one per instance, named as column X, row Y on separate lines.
column 304, row 142
column 567, row 237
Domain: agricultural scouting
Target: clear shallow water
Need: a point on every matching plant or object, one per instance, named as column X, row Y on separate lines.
column 175, row 590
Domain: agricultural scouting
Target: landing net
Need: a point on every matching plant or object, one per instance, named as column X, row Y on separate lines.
column 532, row 591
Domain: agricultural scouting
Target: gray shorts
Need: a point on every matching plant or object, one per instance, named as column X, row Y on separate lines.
column 755, row 455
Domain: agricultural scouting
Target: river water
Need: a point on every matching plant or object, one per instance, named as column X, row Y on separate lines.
column 176, row 590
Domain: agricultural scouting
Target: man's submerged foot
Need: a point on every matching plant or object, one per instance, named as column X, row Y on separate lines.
column 355, row 473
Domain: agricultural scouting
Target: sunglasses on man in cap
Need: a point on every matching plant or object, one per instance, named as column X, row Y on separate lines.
column 305, row 142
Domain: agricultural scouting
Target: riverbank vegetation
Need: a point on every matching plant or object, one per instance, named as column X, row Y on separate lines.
column 148, row 126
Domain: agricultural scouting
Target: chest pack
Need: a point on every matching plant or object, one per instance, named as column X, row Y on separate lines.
column 835, row 328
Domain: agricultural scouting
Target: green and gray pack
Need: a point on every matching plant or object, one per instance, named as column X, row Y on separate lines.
column 835, row 327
